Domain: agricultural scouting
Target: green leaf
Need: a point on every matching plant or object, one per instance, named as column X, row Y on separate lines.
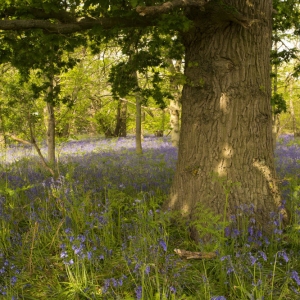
column 134, row 3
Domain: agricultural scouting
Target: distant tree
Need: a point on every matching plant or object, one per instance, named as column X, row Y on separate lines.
column 226, row 127
column 44, row 54
column 286, row 27
column 16, row 102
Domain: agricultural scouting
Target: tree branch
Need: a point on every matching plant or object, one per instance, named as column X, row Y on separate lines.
column 62, row 22
column 80, row 25
column 168, row 6
column 15, row 138
column 218, row 10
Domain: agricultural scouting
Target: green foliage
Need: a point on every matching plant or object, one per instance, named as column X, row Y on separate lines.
column 278, row 103
column 285, row 30
column 18, row 105
column 175, row 22
column 50, row 55
column 286, row 15
column 285, row 55
column 123, row 78
column 210, row 227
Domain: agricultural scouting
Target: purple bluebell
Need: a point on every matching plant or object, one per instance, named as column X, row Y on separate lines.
column 163, row 244
column 114, row 282
column 226, row 257
column 258, row 283
column 106, row 285
column 253, row 259
column 295, row 276
column 139, row 292
column 63, row 254
column 283, row 255
column 147, row 270
column 89, row 255
column 13, row 280
column 263, row 255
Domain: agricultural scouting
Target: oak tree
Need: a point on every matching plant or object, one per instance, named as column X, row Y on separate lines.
column 225, row 158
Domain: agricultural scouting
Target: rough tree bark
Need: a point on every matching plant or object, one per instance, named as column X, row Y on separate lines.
column 226, row 128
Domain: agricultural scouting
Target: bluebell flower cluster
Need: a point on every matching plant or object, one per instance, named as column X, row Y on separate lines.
column 100, row 216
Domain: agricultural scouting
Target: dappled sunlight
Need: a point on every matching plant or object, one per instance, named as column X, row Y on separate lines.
column 173, row 199
column 272, row 183
column 185, row 208
column 224, row 103
column 227, row 153
column 249, row 3
column 221, row 168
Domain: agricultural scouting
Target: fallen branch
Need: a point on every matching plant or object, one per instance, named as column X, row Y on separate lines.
column 195, row 255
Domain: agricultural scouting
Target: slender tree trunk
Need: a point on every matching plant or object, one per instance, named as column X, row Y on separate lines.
column 163, row 121
column 2, row 128
column 226, row 128
column 138, row 118
column 174, row 106
column 138, row 124
column 292, row 112
column 121, row 126
column 50, row 122
column 175, row 121
column 275, row 117
column 51, row 134
column 123, row 117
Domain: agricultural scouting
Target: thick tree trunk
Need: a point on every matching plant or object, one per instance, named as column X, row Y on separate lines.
column 226, row 128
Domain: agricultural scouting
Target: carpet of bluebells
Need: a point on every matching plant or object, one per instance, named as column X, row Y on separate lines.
column 97, row 230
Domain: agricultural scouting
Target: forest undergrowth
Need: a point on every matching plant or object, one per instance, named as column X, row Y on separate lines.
column 98, row 231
